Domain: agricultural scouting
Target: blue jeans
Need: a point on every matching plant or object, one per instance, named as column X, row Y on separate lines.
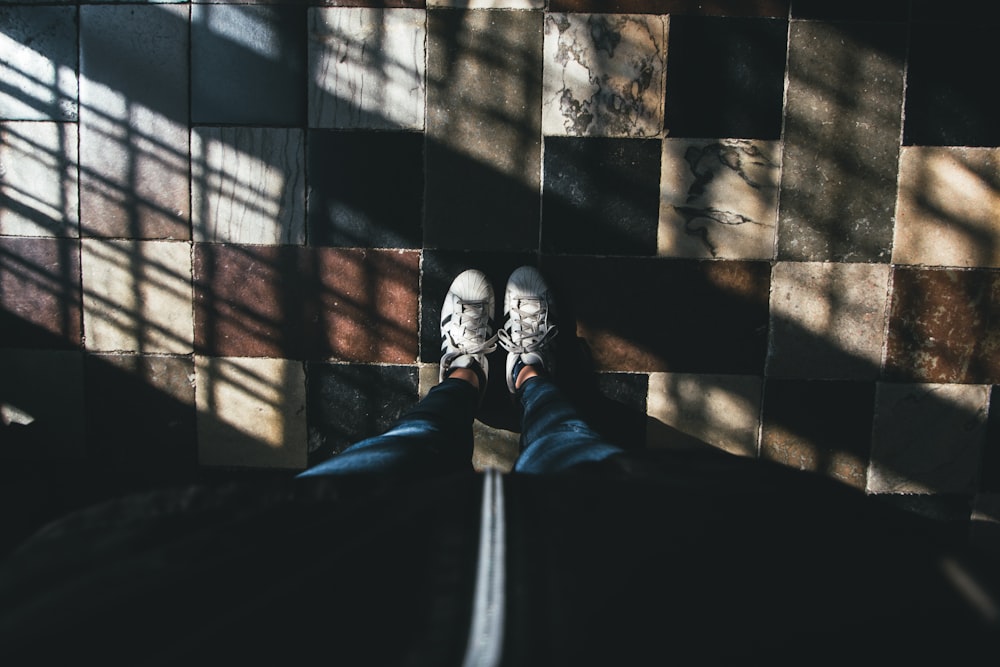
column 435, row 436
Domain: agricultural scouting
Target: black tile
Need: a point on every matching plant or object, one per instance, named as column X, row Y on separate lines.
column 989, row 472
column 601, row 196
column 248, row 64
column 956, row 11
column 438, row 271
column 725, row 77
column 950, row 99
column 346, row 403
column 852, row 10
column 617, row 409
column 365, row 189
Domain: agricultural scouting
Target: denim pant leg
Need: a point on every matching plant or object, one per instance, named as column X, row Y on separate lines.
column 433, row 438
column 553, row 436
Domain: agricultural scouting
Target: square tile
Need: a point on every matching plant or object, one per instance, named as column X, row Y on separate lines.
column 778, row 8
column 306, row 303
column 134, row 172
column 367, row 67
column 696, row 316
column 40, row 302
column 144, row 420
column 852, row 10
column 827, row 320
column 725, row 77
column 483, row 151
column 38, row 63
column 601, row 196
column 720, row 410
column 41, row 405
column 251, row 412
column 248, row 185
column 237, row 51
column 946, row 101
column 603, row 75
column 822, row 426
column 718, row 198
column 943, row 326
column 366, row 189
column 137, row 296
column 439, row 269
column 928, row 438
column 39, row 192
column 948, row 211
column 842, row 125
column 989, row 477
column 347, row 403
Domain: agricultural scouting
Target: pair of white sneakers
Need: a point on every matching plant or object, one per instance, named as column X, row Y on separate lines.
column 467, row 328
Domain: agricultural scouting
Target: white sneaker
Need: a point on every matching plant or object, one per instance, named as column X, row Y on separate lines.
column 467, row 325
column 526, row 334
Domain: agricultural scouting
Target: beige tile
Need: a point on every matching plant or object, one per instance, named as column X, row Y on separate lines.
column 137, row 296
column 591, row 88
column 927, row 438
column 827, row 320
column 494, row 447
column 718, row 198
column 488, row 4
column 948, row 208
column 39, row 193
column 251, row 412
column 248, row 185
column 368, row 67
column 720, row 410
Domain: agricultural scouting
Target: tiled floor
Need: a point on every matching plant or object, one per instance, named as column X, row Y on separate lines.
column 225, row 229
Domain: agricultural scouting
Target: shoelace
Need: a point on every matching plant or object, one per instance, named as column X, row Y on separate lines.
column 472, row 326
column 523, row 331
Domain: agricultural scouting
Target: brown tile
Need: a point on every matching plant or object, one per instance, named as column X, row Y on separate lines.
column 141, row 414
column 306, row 303
column 41, row 405
column 771, row 8
column 927, row 438
column 251, row 412
column 40, row 293
column 948, row 211
column 651, row 314
column 944, row 326
column 825, row 427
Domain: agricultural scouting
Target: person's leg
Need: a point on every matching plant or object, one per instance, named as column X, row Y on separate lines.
column 435, row 436
column 554, row 437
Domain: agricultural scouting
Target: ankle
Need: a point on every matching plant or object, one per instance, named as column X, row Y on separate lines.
column 467, row 374
column 525, row 374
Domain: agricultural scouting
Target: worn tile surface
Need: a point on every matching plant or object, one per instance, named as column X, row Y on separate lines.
column 820, row 426
column 367, row 67
column 720, row 410
column 827, row 320
column 251, row 412
column 349, row 173
column 842, row 126
column 928, row 438
column 40, row 298
column 483, row 142
column 600, row 196
column 948, row 212
column 944, row 326
column 604, row 75
column 39, row 193
column 134, row 170
column 718, row 198
column 248, row 185
column 38, row 63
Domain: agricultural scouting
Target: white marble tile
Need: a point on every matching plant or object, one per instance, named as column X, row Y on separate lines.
column 137, row 296
column 251, row 412
column 948, row 207
column 927, row 438
column 720, row 410
column 604, row 74
column 39, row 193
column 827, row 320
column 38, row 63
column 718, row 198
column 248, row 185
column 367, row 67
